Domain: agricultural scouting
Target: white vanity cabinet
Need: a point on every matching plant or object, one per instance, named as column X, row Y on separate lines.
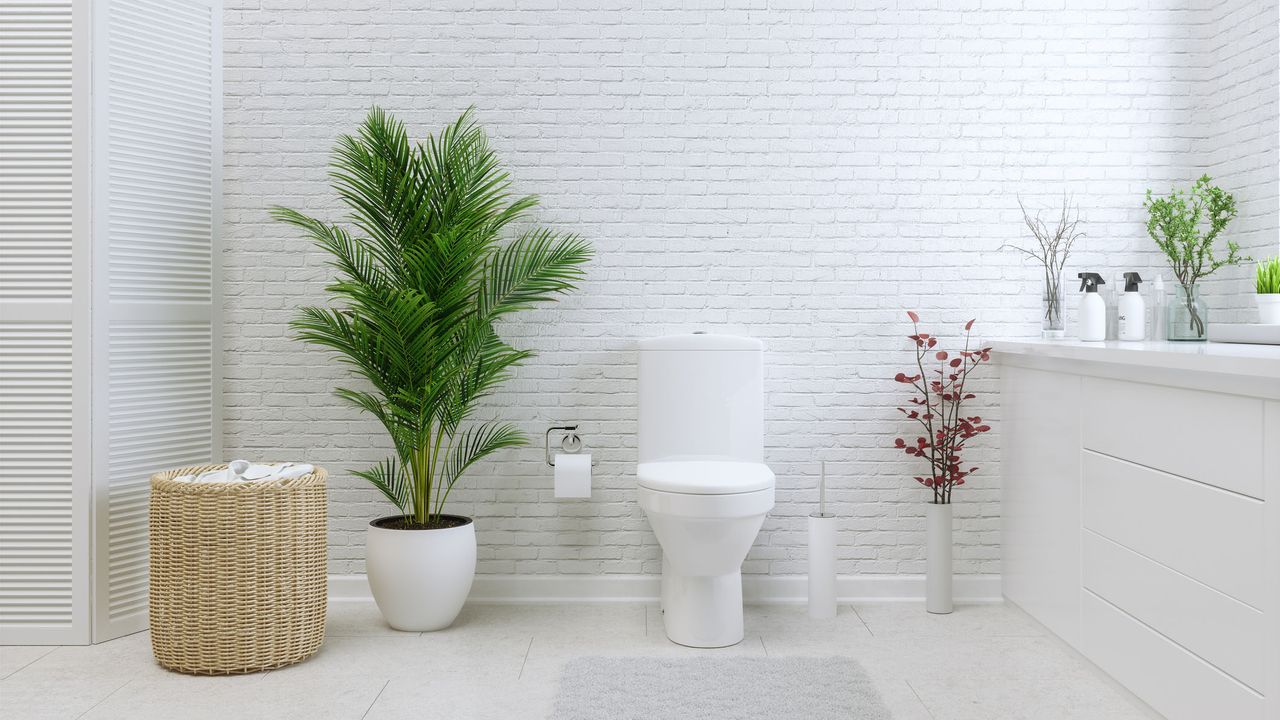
column 1141, row 514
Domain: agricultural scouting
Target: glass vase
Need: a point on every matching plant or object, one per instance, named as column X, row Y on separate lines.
column 1187, row 315
column 1052, row 321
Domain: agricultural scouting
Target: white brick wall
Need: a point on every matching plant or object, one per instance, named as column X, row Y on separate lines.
column 1240, row 91
column 797, row 171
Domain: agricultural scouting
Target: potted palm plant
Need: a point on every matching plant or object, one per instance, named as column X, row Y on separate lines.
column 423, row 276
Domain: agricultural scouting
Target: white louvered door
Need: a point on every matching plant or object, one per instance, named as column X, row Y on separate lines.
column 45, row 495
column 110, row 158
column 157, row 161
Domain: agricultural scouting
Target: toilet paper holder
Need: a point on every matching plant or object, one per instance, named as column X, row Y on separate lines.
column 570, row 443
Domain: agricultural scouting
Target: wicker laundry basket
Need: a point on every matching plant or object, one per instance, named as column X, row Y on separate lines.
column 238, row 569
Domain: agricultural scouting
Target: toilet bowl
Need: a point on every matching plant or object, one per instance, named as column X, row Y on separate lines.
column 705, row 530
column 701, row 480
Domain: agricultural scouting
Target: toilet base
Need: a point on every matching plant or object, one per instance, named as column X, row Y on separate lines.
column 703, row 611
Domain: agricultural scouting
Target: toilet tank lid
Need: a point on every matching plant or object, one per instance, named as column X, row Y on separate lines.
column 701, row 341
column 704, row 477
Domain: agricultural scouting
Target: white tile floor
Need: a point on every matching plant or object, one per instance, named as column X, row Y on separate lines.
column 984, row 662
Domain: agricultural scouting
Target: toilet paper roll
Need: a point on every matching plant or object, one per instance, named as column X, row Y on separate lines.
column 573, row 476
column 822, row 566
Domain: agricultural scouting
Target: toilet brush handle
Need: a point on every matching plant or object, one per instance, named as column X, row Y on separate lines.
column 822, row 489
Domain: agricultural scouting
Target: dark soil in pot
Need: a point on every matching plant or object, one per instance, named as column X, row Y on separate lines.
column 404, row 522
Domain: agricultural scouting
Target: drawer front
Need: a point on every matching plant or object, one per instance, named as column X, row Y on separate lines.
column 1211, row 437
column 1222, row 631
column 1176, row 683
column 1208, row 534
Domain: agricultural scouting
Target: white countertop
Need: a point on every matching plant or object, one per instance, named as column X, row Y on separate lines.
column 1229, row 358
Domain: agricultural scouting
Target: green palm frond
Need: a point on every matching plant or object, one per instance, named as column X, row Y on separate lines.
column 538, row 265
column 421, row 280
column 475, row 443
column 388, row 477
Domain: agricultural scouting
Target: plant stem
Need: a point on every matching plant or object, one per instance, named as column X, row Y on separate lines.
column 435, row 455
column 421, row 469
column 1195, row 322
column 928, row 409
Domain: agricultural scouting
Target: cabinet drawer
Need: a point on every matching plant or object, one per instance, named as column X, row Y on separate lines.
column 1211, row 437
column 1225, row 632
column 1175, row 682
column 1208, row 534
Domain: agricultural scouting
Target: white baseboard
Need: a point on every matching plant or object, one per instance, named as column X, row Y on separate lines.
column 762, row 589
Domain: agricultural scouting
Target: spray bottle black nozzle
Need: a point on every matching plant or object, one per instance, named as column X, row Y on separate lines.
column 1131, row 280
column 1089, row 282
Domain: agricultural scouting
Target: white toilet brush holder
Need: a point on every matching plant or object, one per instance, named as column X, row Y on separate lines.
column 822, row 557
column 938, row 522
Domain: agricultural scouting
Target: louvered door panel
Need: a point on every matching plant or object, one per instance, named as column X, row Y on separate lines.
column 161, row 417
column 41, row 531
column 156, row 211
column 35, row 151
column 44, row 325
column 160, row 150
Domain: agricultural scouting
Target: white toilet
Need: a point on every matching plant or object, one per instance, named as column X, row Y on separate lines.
column 702, row 480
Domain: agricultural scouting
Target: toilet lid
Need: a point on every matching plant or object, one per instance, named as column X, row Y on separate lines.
column 704, row 477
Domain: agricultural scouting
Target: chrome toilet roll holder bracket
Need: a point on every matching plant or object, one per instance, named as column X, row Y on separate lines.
column 570, row 443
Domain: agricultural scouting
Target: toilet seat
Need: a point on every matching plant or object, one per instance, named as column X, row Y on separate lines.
column 704, row 477
column 706, row 507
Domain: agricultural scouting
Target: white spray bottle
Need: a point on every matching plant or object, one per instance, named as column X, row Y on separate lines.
column 1132, row 311
column 1092, row 317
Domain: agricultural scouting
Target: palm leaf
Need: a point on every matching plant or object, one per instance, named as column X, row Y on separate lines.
column 388, row 477
column 533, row 269
column 474, row 444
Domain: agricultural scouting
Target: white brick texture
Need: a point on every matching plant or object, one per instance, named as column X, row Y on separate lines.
column 800, row 171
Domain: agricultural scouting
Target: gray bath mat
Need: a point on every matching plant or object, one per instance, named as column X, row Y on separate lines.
column 733, row 688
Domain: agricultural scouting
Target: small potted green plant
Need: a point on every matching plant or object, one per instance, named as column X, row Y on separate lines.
column 1177, row 224
column 1268, row 288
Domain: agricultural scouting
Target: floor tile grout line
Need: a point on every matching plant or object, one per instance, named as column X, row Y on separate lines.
column 524, row 661
column 919, row 699
column 33, row 661
column 108, row 697
column 864, row 622
column 375, row 699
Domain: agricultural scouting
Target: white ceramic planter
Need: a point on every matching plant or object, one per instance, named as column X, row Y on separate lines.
column 938, row 546
column 1268, row 308
column 421, row 578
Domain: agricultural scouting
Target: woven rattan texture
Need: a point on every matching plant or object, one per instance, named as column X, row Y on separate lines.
column 238, row 572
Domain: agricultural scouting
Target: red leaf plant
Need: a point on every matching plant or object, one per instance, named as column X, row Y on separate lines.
column 938, row 407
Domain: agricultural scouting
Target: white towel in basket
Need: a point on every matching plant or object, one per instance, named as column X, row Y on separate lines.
column 245, row 471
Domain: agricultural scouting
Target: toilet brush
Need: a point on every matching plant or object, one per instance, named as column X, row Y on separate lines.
column 822, row 556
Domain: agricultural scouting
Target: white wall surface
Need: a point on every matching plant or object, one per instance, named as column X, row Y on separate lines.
column 1240, row 96
column 797, row 171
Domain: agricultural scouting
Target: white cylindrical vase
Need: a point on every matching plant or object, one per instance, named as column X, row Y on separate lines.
column 822, row 566
column 938, row 547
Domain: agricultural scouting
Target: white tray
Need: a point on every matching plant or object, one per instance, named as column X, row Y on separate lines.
column 1253, row 334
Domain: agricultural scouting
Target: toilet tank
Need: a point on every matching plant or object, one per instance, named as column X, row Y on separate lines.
column 701, row 398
